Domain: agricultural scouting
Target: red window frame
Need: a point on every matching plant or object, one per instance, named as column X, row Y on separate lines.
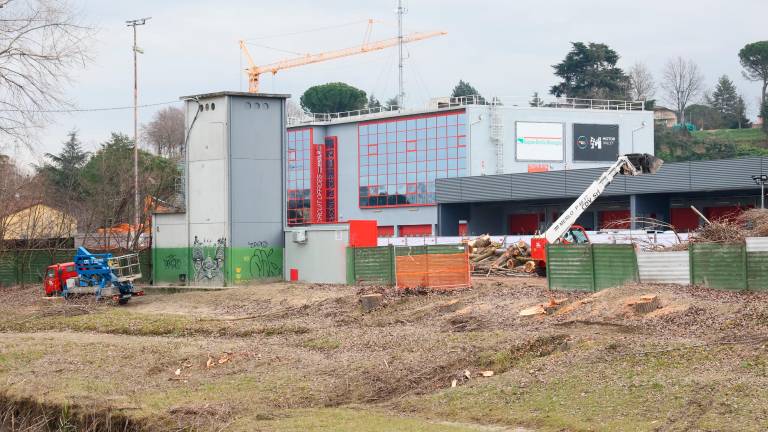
column 385, row 231
column 330, row 180
column 424, row 230
column 408, row 185
column 298, row 209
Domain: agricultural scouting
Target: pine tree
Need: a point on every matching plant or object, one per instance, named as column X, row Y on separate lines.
column 64, row 169
column 464, row 88
column 725, row 100
column 535, row 101
column 373, row 103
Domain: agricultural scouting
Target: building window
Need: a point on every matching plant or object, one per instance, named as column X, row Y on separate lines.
column 298, row 189
column 400, row 159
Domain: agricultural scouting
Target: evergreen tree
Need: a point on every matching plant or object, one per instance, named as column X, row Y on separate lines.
column 332, row 98
column 589, row 71
column 463, row 88
column 725, row 100
column 373, row 103
column 392, row 102
column 536, row 101
column 64, row 170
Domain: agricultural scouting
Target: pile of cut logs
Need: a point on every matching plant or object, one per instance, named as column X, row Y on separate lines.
column 491, row 259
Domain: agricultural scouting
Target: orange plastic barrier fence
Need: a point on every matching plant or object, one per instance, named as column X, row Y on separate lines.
column 420, row 268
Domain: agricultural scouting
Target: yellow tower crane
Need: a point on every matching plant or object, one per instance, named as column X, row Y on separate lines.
column 254, row 71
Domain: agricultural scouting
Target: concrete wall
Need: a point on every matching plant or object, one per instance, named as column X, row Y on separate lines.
column 323, row 258
column 483, row 153
column 256, row 136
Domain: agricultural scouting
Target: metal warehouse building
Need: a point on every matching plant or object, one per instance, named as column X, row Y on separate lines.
column 384, row 165
column 525, row 203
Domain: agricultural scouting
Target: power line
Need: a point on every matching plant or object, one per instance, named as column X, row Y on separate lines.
column 307, row 31
column 75, row 110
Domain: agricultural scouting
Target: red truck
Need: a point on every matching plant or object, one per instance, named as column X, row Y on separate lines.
column 56, row 277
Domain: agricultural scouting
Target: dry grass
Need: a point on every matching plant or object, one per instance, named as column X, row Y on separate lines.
column 299, row 357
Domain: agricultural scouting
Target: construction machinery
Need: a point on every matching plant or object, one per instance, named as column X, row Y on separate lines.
column 100, row 274
column 254, row 71
column 563, row 229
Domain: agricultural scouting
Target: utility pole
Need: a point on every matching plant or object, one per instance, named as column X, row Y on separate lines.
column 401, row 91
column 136, row 51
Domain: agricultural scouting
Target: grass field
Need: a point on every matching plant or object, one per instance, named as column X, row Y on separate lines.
column 295, row 357
column 748, row 137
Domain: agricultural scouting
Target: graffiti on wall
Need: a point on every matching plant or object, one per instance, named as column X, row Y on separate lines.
column 171, row 262
column 208, row 261
column 263, row 265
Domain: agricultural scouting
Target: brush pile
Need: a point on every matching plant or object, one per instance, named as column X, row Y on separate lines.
column 751, row 223
column 491, row 259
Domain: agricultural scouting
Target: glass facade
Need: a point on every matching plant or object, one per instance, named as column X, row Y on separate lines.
column 400, row 159
column 298, row 176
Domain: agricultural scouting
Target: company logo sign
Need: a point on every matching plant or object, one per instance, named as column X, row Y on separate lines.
column 595, row 142
column 539, row 141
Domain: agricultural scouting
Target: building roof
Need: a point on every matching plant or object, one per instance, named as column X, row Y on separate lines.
column 236, row 93
column 692, row 176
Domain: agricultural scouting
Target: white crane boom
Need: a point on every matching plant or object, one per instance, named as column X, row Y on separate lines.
column 629, row 165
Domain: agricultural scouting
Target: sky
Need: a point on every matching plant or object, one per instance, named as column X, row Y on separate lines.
column 503, row 48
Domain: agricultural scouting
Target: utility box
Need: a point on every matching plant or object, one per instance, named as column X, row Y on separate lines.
column 317, row 253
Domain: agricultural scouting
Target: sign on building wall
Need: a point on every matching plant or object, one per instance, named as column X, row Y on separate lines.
column 539, row 141
column 595, row 142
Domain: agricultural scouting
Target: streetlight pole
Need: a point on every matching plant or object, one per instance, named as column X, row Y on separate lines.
column 136, row 50
column 761, row 180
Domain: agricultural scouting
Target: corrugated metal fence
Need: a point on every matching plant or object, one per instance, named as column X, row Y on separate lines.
column 590, row 267
column 27, row 266
column 440, row 267
column 664, row 267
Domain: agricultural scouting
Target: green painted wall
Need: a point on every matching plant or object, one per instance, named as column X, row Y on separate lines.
column 247, row 264
column 241, row 265
column 169, row 263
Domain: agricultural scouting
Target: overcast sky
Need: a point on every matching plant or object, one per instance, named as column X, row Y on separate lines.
column 503, row 48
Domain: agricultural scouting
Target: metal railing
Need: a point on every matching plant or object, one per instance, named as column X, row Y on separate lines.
column 126, row 267
column 455, row 102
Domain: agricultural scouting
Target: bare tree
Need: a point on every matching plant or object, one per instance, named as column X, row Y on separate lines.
column 294, row 111
column 642, row 84
column 41, row 42
column 682, row 82
column 165, row 133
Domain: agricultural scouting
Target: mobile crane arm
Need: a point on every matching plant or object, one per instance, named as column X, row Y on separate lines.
column 631, row 164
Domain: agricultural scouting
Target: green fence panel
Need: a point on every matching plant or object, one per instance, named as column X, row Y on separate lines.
column 757, row 271
column 145, row 263
column 717, row 265
column 615, row 265
column 8, row 269
column 374, row 265
column 569, row 267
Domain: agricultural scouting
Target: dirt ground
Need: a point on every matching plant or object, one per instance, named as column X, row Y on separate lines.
column 298, row 357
